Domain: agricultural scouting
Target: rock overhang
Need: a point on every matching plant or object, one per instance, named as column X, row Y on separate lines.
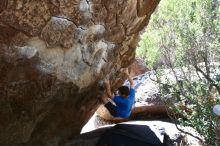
column 53, row 55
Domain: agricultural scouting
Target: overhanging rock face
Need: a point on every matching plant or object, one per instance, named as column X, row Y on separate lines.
column 54, row 55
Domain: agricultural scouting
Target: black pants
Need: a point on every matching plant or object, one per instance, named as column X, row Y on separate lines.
column 111, row 108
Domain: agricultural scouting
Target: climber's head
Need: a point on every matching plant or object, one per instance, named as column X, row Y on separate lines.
column 123, row 91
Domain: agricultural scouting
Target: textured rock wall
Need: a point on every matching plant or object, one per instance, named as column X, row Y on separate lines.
column 54, row 55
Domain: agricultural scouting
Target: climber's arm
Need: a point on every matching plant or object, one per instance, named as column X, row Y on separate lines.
column 108, row 94
column 108, row 89
column 129, row 78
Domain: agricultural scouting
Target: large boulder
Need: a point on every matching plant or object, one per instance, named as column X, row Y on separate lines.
column 54, row 55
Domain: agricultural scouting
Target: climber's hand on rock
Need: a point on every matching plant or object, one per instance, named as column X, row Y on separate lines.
column 126, row 71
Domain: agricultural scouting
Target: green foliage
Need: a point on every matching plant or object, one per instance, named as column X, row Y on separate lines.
column 191, row 104
column 152, row 54
column 185, row 34
column 180, row 29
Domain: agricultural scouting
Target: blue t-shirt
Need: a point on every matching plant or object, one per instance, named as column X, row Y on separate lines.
column 124, row 105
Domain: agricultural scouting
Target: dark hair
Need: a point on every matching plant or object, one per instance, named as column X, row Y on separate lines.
column 124, row 90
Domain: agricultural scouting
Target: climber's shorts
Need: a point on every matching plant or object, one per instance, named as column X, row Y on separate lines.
column 111, row 108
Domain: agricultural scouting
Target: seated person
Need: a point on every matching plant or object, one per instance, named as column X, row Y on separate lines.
column 120, row 105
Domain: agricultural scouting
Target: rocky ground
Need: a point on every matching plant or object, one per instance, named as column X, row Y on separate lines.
column 176, row 137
